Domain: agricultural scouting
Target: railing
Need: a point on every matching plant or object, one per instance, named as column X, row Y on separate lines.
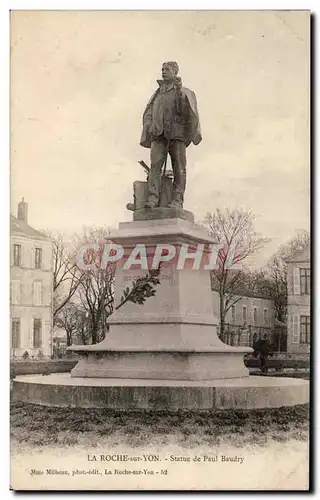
column 240, row 335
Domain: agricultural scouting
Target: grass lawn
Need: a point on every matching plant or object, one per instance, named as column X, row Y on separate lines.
column 42, row 426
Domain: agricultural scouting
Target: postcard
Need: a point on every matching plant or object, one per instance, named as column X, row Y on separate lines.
column 160, row 277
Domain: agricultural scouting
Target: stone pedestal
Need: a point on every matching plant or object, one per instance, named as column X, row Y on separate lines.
column 172, row 336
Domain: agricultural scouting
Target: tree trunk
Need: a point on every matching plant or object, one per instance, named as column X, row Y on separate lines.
column 83, row 337
column 69, row 338
column 222, row 314
column 94, row 333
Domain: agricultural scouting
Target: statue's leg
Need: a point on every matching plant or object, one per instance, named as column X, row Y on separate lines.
column 179, row 162
column 158, row 154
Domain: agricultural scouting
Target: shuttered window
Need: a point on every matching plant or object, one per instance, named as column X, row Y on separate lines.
column 38, row 258
column 265, row 315
column 16, row 333
column 304, row 329
column 296, row 329
column 244, row 313
column 37, row 333
column 296, row 281
column 305, row 281
column 17, row 255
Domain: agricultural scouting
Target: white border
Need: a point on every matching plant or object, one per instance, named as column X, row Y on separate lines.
column 161, row 5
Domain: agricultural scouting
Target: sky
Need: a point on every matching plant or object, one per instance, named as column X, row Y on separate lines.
column 80, row 81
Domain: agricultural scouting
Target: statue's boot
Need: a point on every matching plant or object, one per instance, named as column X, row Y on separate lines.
column 175, row 204
column 150, row 205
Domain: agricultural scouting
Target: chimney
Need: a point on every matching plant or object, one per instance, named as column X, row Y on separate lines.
column 23, row 211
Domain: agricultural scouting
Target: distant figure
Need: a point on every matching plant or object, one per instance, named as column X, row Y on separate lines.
column 262, row 349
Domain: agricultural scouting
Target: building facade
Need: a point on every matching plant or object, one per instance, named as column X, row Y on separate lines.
column 299, row 288
column 251, row 317
column 31, row 288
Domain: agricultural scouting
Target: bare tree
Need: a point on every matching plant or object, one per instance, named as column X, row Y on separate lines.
column 73, row 319
column 68, row 320
column 276, row 271
column 234, row 231
column 83, row 334
column 96, row 285
column 65, row 274
column 258, row 282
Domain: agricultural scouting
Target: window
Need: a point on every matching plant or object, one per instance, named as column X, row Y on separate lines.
column 305, row 281
column 265, row 315
column 304, row 329
column 15, row 292
column 15, row 331
column 37, row 293
column 17, row 255
column 38, row 258
column 244, row 313
column 37, row 333
column 296, row 281
column 255, row 317
column 233, row 313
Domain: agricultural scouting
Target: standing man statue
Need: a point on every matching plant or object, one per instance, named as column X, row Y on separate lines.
column 170, row 124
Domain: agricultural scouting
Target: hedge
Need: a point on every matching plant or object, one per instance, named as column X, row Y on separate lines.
column 41, row 366
column 279, row 364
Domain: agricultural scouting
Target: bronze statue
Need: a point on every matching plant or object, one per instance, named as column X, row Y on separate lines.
column 170, row 124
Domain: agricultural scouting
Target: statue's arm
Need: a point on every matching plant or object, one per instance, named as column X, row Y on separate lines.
column 147, row 117
column 146, row 125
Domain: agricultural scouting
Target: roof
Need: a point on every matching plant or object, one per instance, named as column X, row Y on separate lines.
column 303, row 255
column 19, row 227
column 246, row 293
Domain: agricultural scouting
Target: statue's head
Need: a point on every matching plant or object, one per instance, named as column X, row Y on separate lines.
column 169, row 70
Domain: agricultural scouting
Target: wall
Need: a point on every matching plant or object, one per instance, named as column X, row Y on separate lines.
column 38, row 367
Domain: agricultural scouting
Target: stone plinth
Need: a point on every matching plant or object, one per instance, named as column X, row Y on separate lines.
column 162, row 213
column 172, row 336
column 167, row 364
